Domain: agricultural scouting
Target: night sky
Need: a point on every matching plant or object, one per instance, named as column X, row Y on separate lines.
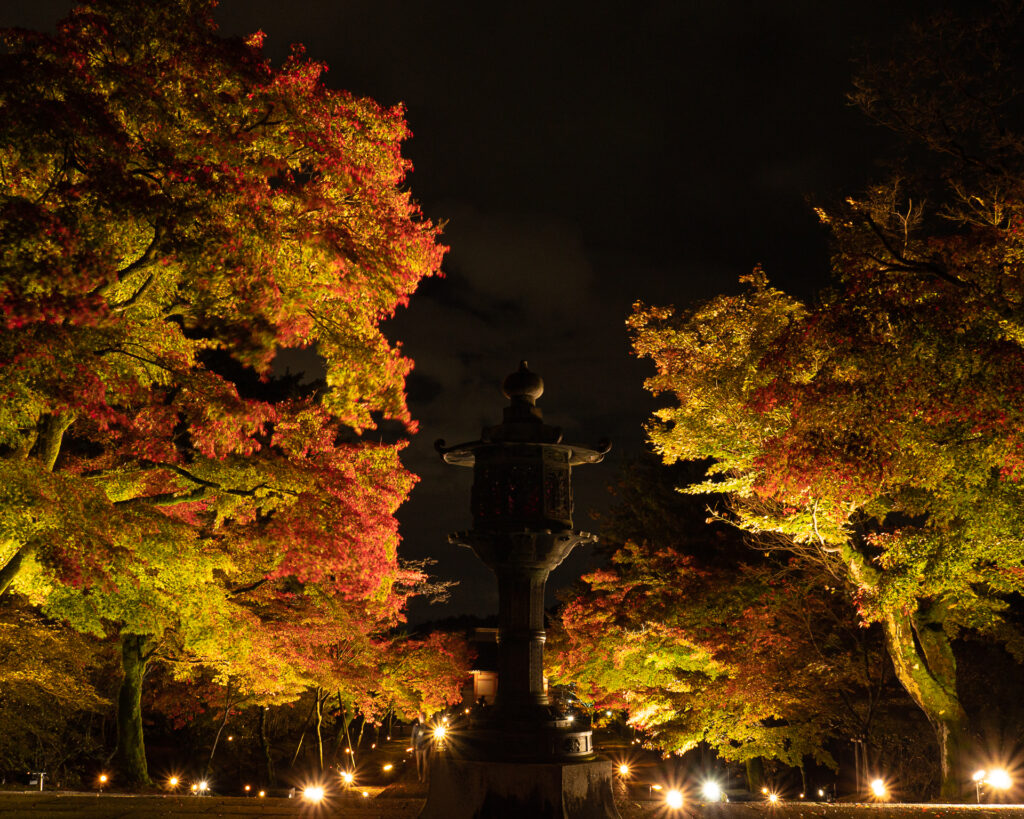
column 584, row 155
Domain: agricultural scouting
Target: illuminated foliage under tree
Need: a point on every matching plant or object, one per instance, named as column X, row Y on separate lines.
column 881, row 431
column 175, row 211
column 702, row 639
column 48, row 696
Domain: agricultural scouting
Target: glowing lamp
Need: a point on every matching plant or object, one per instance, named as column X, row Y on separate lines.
column 674, row 799
column 314, row 794
column 878, row 789
column 1000, row 779
column 712, row 791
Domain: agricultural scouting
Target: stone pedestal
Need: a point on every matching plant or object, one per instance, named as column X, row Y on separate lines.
column 521, row 758
column 468, row 789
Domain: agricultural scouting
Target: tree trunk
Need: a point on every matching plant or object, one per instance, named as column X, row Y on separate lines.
column 302, row 736
column 13, row 566
column 755, row 774
column 350, row 760
column 321, row 697
column 220, row 730
column 265, row 745
column 130, row 757
column 49, row 451
column 359, row 739
column 923, row 658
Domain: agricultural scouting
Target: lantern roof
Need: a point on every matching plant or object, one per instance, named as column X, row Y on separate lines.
column 522, row 423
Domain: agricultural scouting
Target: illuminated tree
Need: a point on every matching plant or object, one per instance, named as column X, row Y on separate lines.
column 175, row 212
column 882, row 431
column 702, row 639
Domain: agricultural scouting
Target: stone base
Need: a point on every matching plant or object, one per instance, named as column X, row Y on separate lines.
column 464, row 789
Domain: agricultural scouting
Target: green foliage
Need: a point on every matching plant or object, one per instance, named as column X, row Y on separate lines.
column 47, row 687
column 176, row 211
column 880, row 431
column 754, row 660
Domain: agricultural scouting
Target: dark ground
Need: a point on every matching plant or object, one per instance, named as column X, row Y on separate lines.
column 399, row 795
column 55, row 805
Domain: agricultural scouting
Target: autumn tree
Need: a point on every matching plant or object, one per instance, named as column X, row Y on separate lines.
column 702, row 639
column 881, row 430
column 175, row 212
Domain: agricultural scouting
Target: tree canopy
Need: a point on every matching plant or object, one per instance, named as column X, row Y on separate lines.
column 878, row 431
column 702, row 639
column 176, row 211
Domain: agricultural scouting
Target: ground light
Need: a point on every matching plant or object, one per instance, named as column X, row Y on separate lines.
column 623, row 769
column 773, row 799
column 978, row 777
column 711, row 791
column 878, row 789
column 997, row 779
column 1000, row 779
column 262, row 794
column 204, row 786
column 674, row 799
column 440, row 732
column 314, row 794
column 347, row 777
column 172, row 783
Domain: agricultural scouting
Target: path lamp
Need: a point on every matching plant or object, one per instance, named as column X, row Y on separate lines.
column 313, row 794
column 998, row 779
